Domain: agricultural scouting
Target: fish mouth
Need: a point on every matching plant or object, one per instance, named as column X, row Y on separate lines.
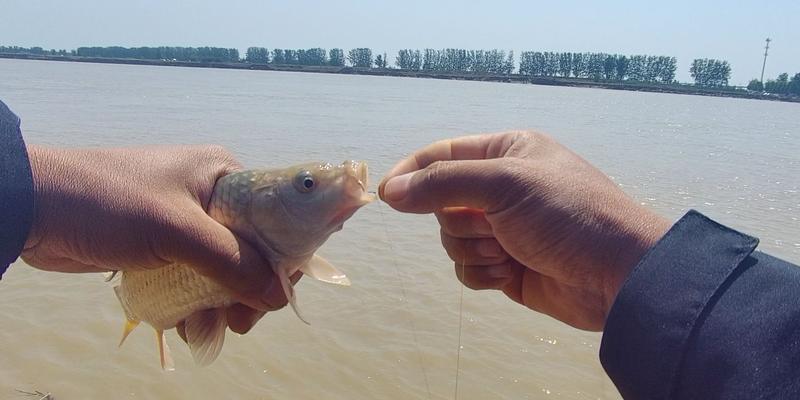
column 359, row 171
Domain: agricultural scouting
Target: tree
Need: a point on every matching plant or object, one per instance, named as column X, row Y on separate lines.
column 710, row 72
column 755, row 85
column 257, row 55
column 565, row 64
column 508, row 67
column 360, row 58
column 779, row 85
column 579, row 65
column 594, row 65
column 336, row 57
column 668, row 66
column 621, row 66
column 315, row 56
column 609, row 67
column 290, row 57
column 430, row 60
column 278, row 56
column 794, row 85
column 380, row 60
column 408, row 59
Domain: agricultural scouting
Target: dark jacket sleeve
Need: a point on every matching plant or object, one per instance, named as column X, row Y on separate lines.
column 16, row 189
column 703, row 316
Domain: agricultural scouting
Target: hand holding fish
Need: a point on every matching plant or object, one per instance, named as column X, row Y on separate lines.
column 193, row 236
column 527, row 216
column 144, row 208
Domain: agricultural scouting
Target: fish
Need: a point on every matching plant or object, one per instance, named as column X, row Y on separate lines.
column 286, row 213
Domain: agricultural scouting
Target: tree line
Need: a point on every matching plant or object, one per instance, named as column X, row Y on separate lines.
column 35, row 50
column 201, row 54
column 597, row 66
column 359, row 58
column 456, row 60
column 781, row 85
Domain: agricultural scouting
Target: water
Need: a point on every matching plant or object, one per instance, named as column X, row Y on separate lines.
column 735, row 160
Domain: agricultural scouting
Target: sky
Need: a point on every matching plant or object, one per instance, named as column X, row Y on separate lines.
column 730, row 30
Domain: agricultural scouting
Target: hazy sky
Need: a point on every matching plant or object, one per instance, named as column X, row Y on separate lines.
column 731, row 30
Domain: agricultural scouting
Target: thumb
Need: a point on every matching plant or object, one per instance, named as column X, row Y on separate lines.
column 217, row 253
column 480, row 184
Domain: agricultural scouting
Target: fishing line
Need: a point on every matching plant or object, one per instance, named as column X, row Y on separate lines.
column 460, row 324
column 405, row 300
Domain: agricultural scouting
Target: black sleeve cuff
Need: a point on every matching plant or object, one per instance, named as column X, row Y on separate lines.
column 655, row 312
column 16, row 189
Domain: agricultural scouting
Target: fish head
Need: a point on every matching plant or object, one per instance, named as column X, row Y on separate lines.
column 299, row 207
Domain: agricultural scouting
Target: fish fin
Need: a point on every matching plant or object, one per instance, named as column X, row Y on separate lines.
column 288, row 290
column 167, row 363
column 130, row 325
column 109, row 276
column 321, row 270
column 120, row 293
column 205, row 333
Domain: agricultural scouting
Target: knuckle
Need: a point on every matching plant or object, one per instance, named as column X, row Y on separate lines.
column 532, row 136
column 435, row 172
column 219, row 153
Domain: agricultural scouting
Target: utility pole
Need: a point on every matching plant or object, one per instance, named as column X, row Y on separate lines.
column 766, row 51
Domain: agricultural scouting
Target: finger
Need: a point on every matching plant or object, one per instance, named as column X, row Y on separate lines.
column 464, row 222
column 276, row 298
column 479, row 184
column 482, row 277
column 58, row 264
column 242, row 318
column 214, row 251
column 476, row 147
column 482, row 251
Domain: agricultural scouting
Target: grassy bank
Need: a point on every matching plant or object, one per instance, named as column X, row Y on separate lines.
column 550, row 81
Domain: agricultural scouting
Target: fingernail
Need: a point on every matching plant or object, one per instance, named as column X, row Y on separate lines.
column 396, row 189
column 501, row 271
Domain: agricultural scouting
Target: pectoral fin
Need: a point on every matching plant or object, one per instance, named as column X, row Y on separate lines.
column 205, row 333
column 320, row 269
column 288, row 290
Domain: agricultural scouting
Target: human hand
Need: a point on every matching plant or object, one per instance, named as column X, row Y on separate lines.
column 137, row 208
column 527, row 216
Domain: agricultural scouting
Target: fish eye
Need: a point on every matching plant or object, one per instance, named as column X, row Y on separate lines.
column 305, row 182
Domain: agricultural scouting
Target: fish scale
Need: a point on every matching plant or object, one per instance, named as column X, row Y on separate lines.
column 165, row 296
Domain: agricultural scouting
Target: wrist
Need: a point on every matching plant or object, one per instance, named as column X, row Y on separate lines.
column 640, row 234
column 43, row 163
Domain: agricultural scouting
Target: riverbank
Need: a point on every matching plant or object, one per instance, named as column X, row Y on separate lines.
column 512, row 78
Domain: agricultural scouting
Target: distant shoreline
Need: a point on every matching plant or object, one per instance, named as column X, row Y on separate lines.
column 512, row 78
